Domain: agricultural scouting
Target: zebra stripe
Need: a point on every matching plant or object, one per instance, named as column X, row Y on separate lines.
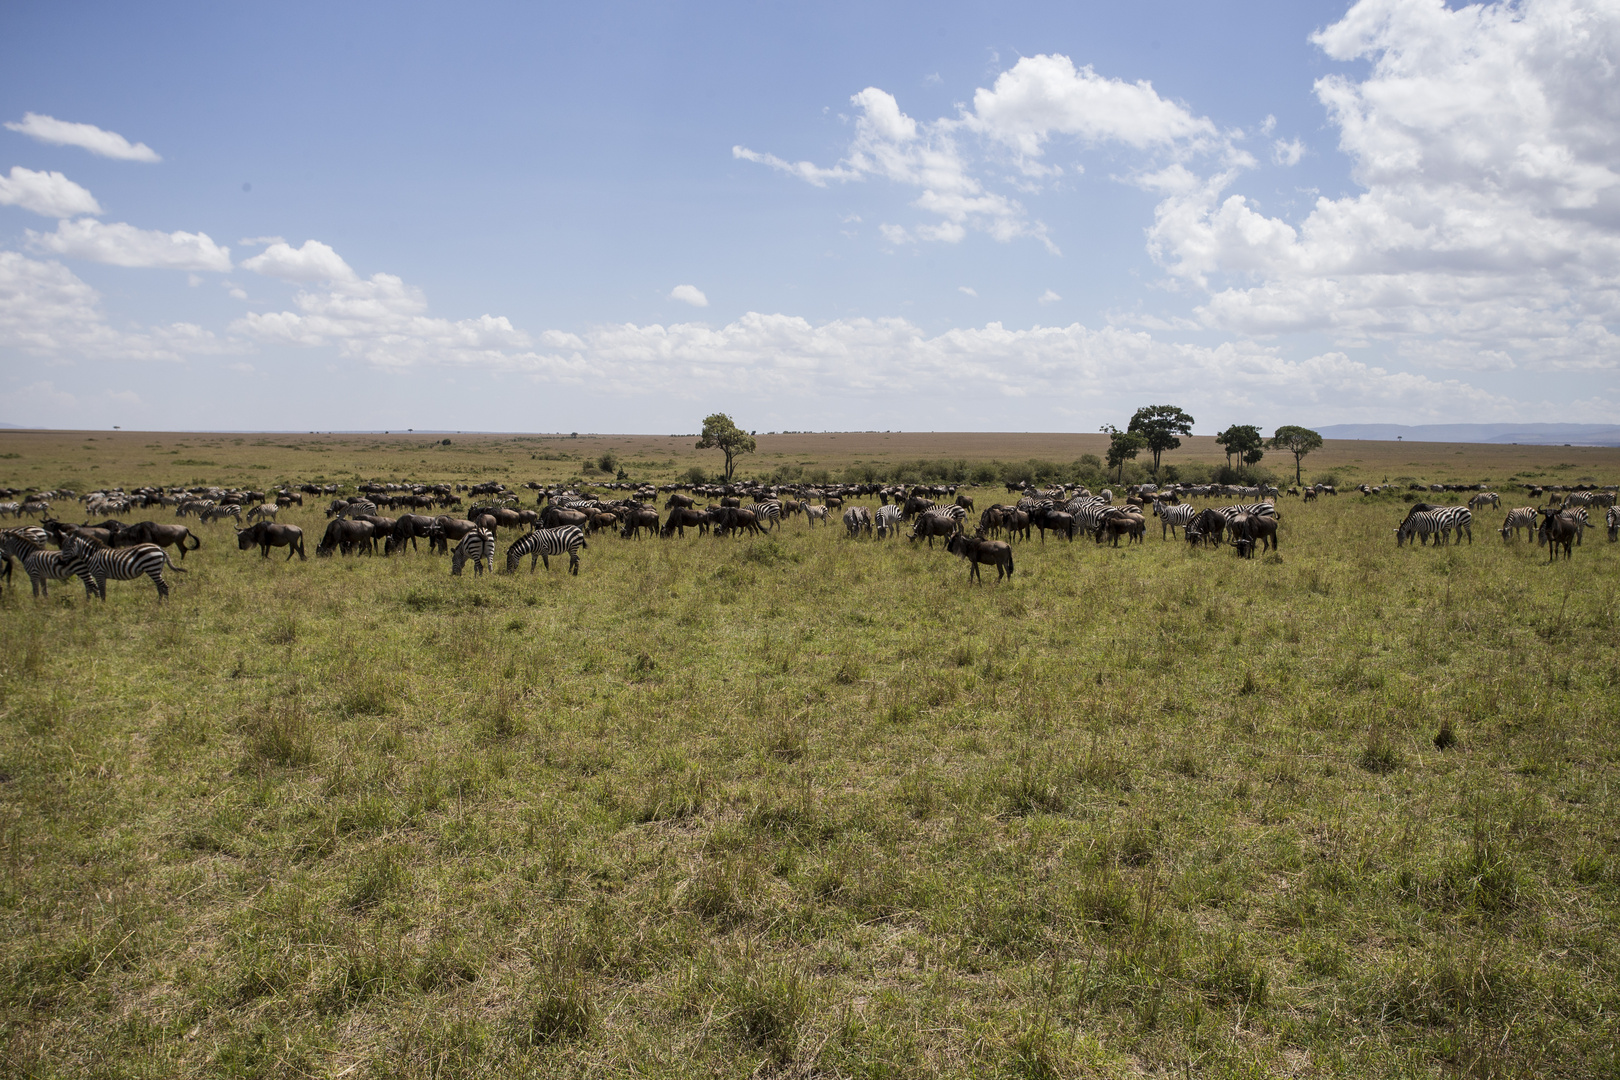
column 479, row 546
column 1438, row 522
column 1264, row 509
column 888, row 520
column 768, row 511
column 1612, row 520
column 541, row 544
column 1525, row 517
column 858, row 519
column 1478, row 501
column 1172, row 516
column 96, row 565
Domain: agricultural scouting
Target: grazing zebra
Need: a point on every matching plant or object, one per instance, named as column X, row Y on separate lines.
column 858, row 519
column 888, row 520
column 1263, row 509
column 768, row 513
column 1525, row 517
column 540, row 544
column 1172, row 516
column 1439, row 522
column 263, row 510
column 479, row 546
column 96, row 565
column 1478, row 501
column 813, row 514
column 1588, row 498
column 1612, row 520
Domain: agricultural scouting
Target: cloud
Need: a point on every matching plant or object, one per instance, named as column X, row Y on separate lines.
column 1048, row 297
column 48, row 312
column 125, row 245
column 1487, row 233
column 260, row 241
column 967, row 290
column 314, row 261
column 689, row 294
column 1287, row 154
column 804, row 170
column 63, row 133
column 47, row 193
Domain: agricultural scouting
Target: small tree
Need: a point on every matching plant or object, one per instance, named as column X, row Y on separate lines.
column 1122, row 447
column 720, row 433
column 1298, row 441
column 1159, row 425
column 1241, row 441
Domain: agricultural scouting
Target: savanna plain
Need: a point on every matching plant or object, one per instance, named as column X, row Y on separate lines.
column 803, row 805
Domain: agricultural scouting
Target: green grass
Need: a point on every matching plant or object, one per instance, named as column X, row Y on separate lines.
column 807, row 806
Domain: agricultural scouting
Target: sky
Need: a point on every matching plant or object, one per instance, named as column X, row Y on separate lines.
column 921, row 217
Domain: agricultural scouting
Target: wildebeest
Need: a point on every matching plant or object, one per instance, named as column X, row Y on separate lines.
column 637, row 520
column 448, row 531
column 1255, row 530
column 976, row 550
column 268, row 534
column 930, row 525
column 347, row 536
column 682, row 518
column 407, row 528
column 154, row 532
column 1557, row 529
column 1117, row 523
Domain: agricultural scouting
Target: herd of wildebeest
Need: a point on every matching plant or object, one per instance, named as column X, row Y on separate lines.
column 394, row 517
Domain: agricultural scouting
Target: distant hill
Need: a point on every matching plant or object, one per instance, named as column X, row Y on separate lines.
column 1528, row 434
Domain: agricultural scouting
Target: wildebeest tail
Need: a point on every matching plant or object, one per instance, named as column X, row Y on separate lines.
column 1009, row 560
column 196, row 541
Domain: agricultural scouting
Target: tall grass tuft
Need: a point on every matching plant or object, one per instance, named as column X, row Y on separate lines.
column 281, row 733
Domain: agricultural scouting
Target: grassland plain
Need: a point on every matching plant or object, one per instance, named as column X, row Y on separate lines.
column 804, row 805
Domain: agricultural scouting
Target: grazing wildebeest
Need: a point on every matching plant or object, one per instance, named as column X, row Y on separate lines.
column 976, row 550
column 637, row 520
column 682, row 518
column 1257, row 529
column 1057, row 520
column 1117, row 523
column 153, row 532
column 449, row 531
column 345, row 535
column 1557, row 529
column 268, row 534
column 406, row 530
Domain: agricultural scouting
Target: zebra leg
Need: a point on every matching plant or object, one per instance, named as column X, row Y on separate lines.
column 573, row 563
column 157, row 579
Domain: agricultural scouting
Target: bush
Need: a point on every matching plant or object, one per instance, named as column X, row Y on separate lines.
column 608, row 462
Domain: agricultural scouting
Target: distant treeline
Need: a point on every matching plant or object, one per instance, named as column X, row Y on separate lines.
column 1088, row 469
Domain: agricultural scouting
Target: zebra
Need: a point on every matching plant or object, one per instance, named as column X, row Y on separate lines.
column 1525, row 517
column 1612, row 520
column 888, row 519
column 858, row 519
column 768, row 511
column 1172, row 516
column 12, row 508
column 27, row 546
column 1263, row 509
column 95, row 565
column 1588, row 498
column 223, row 510
column 479, row 546
column 813, row 514
column 540, row 544
column 1478, row 501
column 1440, row 521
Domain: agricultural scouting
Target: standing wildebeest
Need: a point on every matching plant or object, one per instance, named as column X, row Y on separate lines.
column 450, row 530
column 637, row 520
column 406, row 530
column 1557, row 529
column 1207, row 527
column 932, row 524
column 1121, row 522
column 268, row 534
column 976, row 550
column 682, row 518
column 1255, row 529
column 1059, row 521
column 153, row 532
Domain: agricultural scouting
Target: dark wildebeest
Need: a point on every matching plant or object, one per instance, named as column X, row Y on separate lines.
column 965, row 502
column 407, row 528
column 637, row 520
column 1557, row 529
column 1117, row 523
column 153, row 532
column 1059, row 521
column 976, row 550
column 555, row 517
column 1257, row 529
column 682, row 518
column 932, row 525
column 1207, row 527
column 916, row 505
column 732, row 519
column 345, row 535
column 450, row 532
column 267, row 534
column 1015, row 521
column 677, row 499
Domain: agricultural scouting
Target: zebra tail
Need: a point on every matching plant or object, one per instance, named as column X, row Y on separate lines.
column 172, row 565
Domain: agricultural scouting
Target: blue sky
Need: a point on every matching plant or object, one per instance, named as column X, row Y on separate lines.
column 968, row 216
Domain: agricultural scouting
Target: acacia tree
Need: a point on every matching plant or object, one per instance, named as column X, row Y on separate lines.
column 1122, row 447
column 1238, row 440
column 720, row 433
column 1298, row 441
column 1159, row 425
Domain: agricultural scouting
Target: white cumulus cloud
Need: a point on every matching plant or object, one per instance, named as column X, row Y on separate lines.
column 314, row 261
column 1048, row 297
column 125, row 245
column 1487, row 233
column 47, row 193
column 65, row 133
column 689, row 294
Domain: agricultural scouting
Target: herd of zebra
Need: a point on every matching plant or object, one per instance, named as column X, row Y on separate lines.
column 112, row 550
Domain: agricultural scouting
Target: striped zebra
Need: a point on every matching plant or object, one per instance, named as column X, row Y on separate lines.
column 887, row 522
column 769, row 511
column 1588, row 498
column 540, row 544
column 1525, row 517
column 1438, row 522
column 1478, row 501
column 27, row 546
column 479, row 546
column 95, row 565
column 858, row 519
column 1612, row 520
column 222, row 510
column 1263, row 509
column 1172, row 516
